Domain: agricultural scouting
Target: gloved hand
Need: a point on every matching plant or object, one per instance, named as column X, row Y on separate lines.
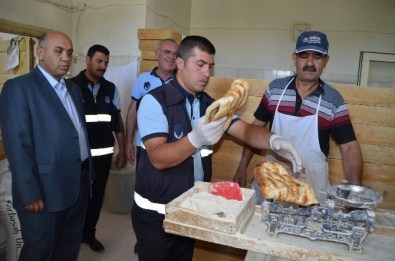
column 206, row 133
column 286, row 150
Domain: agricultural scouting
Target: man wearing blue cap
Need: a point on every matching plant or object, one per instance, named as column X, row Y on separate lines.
column 307, row 111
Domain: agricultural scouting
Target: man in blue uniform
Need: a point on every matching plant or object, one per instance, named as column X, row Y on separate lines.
column 103, row 117
column 176, row 139
column 145, row 82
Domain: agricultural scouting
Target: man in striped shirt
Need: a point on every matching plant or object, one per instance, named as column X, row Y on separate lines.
column 307, row 111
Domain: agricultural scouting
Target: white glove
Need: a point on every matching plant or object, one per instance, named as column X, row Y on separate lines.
column 286, row 150
column 206, row 133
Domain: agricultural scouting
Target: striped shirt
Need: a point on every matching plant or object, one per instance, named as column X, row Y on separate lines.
column 333, row 117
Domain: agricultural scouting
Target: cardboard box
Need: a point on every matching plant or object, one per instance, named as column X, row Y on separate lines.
column 148, row 45
column 146, row 65
column 148, row 55
column 158, row 34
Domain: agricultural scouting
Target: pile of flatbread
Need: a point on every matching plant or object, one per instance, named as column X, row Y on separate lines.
column 226, row 106
column 276, row 183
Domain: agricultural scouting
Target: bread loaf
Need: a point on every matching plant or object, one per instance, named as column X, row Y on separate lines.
column 226, row 106
column 276, row 183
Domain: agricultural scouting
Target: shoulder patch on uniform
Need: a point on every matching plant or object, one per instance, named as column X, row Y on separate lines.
column 147, row 85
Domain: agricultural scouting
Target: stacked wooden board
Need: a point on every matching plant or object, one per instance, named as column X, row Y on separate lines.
column 148, row 43
column 372, row 111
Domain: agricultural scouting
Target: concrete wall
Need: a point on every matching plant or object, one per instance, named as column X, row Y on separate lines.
column 115, row 25
column 111, row 23
column 253, row 37
column 174, row 14
column 38, row 14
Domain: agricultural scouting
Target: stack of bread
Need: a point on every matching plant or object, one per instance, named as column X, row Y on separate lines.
column 276, row 183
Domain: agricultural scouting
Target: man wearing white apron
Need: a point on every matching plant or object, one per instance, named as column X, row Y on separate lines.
column 304, row 136
column 307, row 112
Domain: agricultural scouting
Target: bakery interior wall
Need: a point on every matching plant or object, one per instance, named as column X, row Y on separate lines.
column 253, row 38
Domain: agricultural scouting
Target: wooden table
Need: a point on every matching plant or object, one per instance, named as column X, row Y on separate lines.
column 379, row 245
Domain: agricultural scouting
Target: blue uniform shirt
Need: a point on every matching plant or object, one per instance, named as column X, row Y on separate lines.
column 151, row 121
column 144, row 83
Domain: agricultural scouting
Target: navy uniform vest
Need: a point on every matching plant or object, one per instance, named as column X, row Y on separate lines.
column 100, row 131
column 162, row 186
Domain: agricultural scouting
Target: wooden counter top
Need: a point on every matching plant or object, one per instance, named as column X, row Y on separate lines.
column 378, row 245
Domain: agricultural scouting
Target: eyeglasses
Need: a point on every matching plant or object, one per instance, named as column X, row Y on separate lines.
column 168, row 52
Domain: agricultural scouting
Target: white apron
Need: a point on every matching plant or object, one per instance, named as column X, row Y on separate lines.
column 302, row 132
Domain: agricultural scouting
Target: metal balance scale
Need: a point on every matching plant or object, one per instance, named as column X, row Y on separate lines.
column 346, row 217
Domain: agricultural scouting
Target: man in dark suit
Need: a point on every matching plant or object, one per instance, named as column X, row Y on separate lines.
column 45, row 139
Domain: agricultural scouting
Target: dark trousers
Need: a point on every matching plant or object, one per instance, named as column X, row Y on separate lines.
column 154, row 243
column 55, row 235
column 102, row 166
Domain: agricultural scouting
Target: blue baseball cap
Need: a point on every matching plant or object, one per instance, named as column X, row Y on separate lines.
column 312, row 41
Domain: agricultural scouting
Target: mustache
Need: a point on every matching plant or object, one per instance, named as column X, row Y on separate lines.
column 309, row 68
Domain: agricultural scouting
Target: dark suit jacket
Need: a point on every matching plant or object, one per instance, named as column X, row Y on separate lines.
column 41, row 142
